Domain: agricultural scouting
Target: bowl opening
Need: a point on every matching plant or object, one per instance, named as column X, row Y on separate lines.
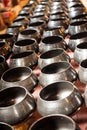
column 2, row 44
column 21, row 55
column 79, row 35
column 37, row 23
column 51, row 53
column 16, row 74
column 2, row 59
column 11, row 96
column 6, row 36
column 78, row 23
column 18, row 20
column 24, row 14
column 80, row 16
column 58, row 67
column 82, row 45
column 76, row 5
column 4, row 126
column 28, row 32
column 59, row 12
column 53, row 29
column 37, row 16
column 56, row 91
column 84, row 63
column 56, row 123
column 25, row 42
column 52, row 39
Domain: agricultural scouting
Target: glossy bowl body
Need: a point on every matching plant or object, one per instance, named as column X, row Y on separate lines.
column 57, row 71
column 19, row 76
column 17, row 104
column 75, row 12
column 25, row 45
column 5, row 126
column 77, row 39
column 52, row 56
column 38, row 25
column 63, row 22
column 39, row 17
column 27, row 58
column 80, row 52
column 77, row 27
column 52, row 42
column 82, row 71
column 56, row 121
column 53, row 31
column 59, row 98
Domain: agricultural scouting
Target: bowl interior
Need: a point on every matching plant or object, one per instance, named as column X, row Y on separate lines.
column 56, row 91
column 52, row 40
column 11, row 96
column 51, row 53
column 25, row 42
column 16, row 74
column 54, row 123
column 58, row 67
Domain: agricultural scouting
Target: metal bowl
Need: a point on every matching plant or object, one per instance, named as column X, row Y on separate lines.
column 82, row 71
column 16, row 103
column 59, row 98
column 62, row 21
column 28, row 58
column 29, row 33
column 76, row 40
column 57, row 71
column 80, row 52
column 59, row 30
column 5, row 49
column 19, row 76
column 8, row 38
column 55, row 122
column 25, row 45
column 5, row 126
column 77, row 27
column 39, row 25
column 52, row 42
column 52, row 56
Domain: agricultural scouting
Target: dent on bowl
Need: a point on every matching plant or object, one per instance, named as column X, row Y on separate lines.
column 16, row 104
column 59, row 98
column 54, row 122
column 19, row 76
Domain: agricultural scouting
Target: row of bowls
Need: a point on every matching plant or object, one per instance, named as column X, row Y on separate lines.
column 19, row 97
